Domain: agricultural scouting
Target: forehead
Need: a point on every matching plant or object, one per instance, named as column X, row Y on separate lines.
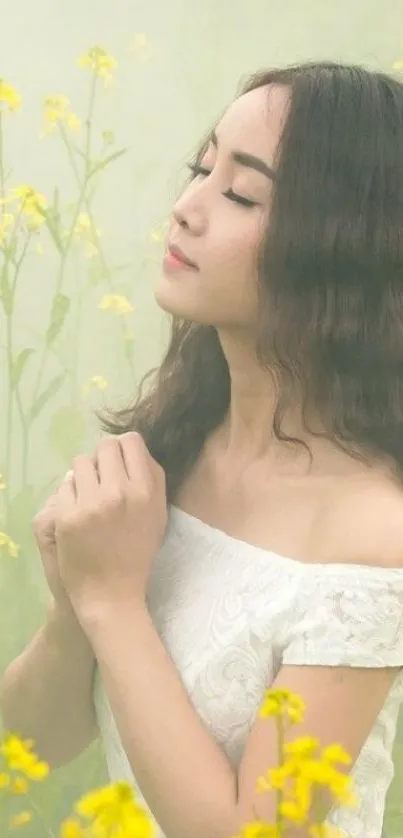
column 255, row 120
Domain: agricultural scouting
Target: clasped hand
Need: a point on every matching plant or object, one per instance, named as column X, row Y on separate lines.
column 110, row 520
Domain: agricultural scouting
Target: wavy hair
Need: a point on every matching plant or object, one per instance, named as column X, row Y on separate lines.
column 330, row 283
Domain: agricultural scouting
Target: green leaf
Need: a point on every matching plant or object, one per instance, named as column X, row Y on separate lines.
column 60, row 308
column 52, row 221
column 47, row 394
column 18, row 366
column 5, row 292
column 105, row 162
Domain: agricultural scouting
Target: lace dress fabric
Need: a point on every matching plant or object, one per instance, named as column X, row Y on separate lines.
column 231, row 614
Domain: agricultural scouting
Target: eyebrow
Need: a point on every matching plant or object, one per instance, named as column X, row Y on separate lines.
column 247, row 159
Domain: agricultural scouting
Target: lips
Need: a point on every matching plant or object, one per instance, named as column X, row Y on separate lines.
column 179, row 254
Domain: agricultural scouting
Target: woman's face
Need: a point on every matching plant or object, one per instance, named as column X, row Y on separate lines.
column 217, row 232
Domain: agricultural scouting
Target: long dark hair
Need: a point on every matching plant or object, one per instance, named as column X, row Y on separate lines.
column 330, row 283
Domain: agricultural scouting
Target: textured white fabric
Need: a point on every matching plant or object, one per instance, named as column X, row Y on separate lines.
column 230, row 614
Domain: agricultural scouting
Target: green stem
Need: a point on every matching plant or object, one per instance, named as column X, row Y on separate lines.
column 2, row 174
column 9, row 356
column 81, row 200
column 39, row 814
column 91, row 107
column 280, row 758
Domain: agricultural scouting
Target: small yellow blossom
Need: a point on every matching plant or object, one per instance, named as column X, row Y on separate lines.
column 32, row 204
column 157, row 235
column 6, row 223
column 95, row 381
column 87, row 233
column 19, row 785
column 259, row 829
column 277, row 702
column 115, row 804
column 100, row 62
column 115, row 302
column 336, row 753
column 10, row 100
column 57, row 110
column 303, row 747
column 71, row 828
column 20, row 820
column 325, row 830
column 4, row 780
column 12, row 548
column 290, row 810
column 19, row 757
column 140, row 47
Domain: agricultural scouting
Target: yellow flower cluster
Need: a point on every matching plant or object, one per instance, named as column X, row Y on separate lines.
column 22, row 763
column 100, row 62
column 112, row 809
column 57, row 111
column 10, row 100
column 301, row 771
column 12, row 548
column 85, row 231
column 30, row 204
column 115, row 302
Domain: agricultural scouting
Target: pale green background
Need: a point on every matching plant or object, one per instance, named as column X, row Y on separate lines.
column 199, row 53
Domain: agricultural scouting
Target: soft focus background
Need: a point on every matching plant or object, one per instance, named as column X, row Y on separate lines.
column 178, row 66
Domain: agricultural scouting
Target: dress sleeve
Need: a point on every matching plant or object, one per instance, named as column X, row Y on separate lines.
column 348, row 615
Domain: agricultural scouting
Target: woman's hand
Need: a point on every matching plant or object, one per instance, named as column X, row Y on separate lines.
column 110, row 521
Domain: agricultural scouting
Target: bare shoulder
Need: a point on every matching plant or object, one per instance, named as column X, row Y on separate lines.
column 362, row 521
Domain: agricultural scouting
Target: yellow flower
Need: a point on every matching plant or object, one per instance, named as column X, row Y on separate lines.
column 114, row 805
column 322, row 773
column 4, row 780
column 324, row 830
column 57, row 110
column 12, row 548
column 20, row 820
column 336, row 753
column 32, row 204
column 19, row 785
column 303, row 747
column 95, row 381
column 140, row 47
column 259, row 829
column 277, row 778
column 277, row 702
column 290, row 810
column 86, row 232
column 100, row 62
column 7, row 221
column 10, row 100
column 19, row 757
column 115, row 302
column 71, row 828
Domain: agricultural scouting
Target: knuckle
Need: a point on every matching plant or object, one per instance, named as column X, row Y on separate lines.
column 114, row 499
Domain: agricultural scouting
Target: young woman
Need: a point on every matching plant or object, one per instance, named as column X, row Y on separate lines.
column 276, row 420
column 277, row 417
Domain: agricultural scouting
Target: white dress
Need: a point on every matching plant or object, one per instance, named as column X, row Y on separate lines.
column 230, row 614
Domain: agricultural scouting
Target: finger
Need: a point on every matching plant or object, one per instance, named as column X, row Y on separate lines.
column 137, row 459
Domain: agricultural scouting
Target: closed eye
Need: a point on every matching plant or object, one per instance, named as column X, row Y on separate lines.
column 230, row 194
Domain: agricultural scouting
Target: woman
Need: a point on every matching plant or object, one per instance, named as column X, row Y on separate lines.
column 281, row 568
column 276, row 418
